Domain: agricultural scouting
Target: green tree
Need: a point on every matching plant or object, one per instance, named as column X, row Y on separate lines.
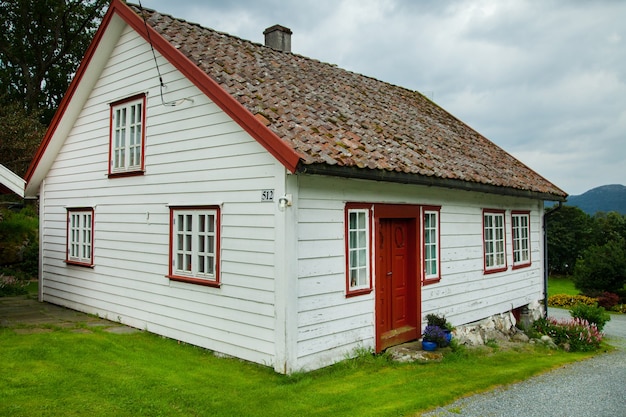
column 602, row 268
column 569, row 232
column 609, row 226
column 20, row 134
column 41, row 45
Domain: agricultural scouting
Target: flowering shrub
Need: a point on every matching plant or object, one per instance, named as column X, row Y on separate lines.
column 593, row 314
column 433, row 333
column 574, row 335
column 566, row 300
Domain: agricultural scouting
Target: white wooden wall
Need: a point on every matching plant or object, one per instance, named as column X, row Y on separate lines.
column 195, row 155
column 331, row 326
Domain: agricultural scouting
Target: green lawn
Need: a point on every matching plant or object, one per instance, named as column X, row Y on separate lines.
column 561, row 285
column 102, row 374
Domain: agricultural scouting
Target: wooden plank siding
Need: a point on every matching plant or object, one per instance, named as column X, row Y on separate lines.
column 331, row 325
column 194, row 155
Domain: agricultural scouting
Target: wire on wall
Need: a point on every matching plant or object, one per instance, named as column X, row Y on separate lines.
column 161, row 84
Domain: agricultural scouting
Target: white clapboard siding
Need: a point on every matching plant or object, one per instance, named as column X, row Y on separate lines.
column 194, row 155
column 330, row 324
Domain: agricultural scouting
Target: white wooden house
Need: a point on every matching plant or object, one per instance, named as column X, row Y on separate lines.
column 269, row 206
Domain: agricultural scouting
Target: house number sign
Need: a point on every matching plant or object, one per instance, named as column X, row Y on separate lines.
column 267, row 195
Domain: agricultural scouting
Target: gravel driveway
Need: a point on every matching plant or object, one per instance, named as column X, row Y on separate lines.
column 594, row 387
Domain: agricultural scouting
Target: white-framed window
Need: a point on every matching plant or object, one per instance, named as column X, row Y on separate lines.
column 520, row 224
column 195, row 244
column 127, row 139
column 431, row 244
column 80, row 222
column 358, row 249
column 494, row 240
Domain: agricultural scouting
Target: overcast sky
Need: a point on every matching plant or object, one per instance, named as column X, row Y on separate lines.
column 543, row 79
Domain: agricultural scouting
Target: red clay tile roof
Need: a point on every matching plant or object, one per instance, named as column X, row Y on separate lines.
column 338, row 118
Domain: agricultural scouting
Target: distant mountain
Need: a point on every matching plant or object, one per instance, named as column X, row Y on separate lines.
column 604, row 198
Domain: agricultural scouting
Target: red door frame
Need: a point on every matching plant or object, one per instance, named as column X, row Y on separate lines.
column 412, row 213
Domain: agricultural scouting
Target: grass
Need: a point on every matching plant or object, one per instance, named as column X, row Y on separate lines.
column 102, row 374
column 561, row 285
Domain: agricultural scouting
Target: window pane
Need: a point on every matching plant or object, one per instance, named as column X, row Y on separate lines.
column 187, row 262
column 362, row 242
column 353, row 259
column 211, row 222
column 361, row 224
column 201, row 264
column 362, row 257
column 353, row 241
column 211, row 265
column 362, row 277
column 352, row 221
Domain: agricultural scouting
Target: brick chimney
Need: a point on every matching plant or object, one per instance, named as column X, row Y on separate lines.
column 278, row 37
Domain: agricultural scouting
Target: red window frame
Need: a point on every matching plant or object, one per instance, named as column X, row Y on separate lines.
column 350, row 207
column 69, row 242
column 497, row 268
column 142, row 165
column 172, row 275
column 528, row 262
column 437, row 277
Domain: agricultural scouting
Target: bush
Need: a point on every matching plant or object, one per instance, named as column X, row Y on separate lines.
column 19, row 243
column 602, row 267
column 574, row 335
column 10, row 286
column 566, row 300
column 593, row 314
column 608, row 300
column 620, row 308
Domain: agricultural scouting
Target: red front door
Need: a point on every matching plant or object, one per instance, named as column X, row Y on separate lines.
column 396, row 282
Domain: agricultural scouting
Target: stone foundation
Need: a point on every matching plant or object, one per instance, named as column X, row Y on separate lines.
column 499, row 328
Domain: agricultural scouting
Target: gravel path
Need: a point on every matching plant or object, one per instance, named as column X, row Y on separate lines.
column 594, row 387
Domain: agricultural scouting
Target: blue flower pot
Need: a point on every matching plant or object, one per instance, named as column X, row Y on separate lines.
column 428, row 346
column 448, row 335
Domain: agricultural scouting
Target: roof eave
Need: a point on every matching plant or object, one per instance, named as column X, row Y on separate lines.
column 416, row 179
column 11, row 182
